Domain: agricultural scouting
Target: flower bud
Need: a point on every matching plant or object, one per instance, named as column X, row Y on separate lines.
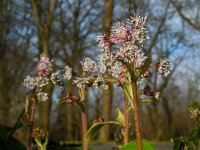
column 68, row 101
column 101, row 119
column 147, row 90
column 68, row 95
column 147, row 74
column 156, row 94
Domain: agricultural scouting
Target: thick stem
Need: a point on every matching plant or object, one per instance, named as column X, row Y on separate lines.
column 136, row 116
column 84, row 118
column 84, row 128
column 30, row 128
column 126, row 116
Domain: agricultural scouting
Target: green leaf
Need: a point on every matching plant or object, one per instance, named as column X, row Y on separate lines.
column 133, row 146
column 128, row 89
column 120, row 117
column 129, row 94
column 96, row 126
column 38, row 142
column 62, row 100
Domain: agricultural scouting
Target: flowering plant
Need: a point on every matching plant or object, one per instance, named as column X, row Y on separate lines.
column 122, row 61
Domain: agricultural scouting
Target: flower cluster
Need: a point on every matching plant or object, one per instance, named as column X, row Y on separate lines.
column 88, row 65
column 44, row 67
column 163, row 67
column 128, row 38
column 68, row 72
column 131, row 54
column 103, row 42
column 81, row 82
column 101, row 83
column 120, row 33
column 106, row 61
column 31, row 82
column 42, row 96
column 138, row 28
column 59, row 77
column 148, row 92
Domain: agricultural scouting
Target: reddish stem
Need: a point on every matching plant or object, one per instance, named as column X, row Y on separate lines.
column 84, row 117
column 126, row 115
column 31, row 124
column 84, row 127
column 136, row 117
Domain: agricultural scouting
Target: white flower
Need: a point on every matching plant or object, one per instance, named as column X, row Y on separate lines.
column 106, row 61
column 81, row 82
column 163, row 67
column 41, row 81
column 132, row 54
column 88, row 65
column 120, row 33
column 67, row 73
column 116, row 69
column 42, row 96
column 139, row 30
column 98, row 81
column 56, row 77
column 29, row 81
column 137, row 21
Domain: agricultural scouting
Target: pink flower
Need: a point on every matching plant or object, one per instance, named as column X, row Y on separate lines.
column 44, row 67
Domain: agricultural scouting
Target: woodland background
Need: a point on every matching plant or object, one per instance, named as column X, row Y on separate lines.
column 65, row 30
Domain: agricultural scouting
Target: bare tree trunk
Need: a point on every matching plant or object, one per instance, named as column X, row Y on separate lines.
column 5, row 101
column 107, row 95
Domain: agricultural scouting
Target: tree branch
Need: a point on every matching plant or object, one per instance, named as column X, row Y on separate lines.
column 189, row 21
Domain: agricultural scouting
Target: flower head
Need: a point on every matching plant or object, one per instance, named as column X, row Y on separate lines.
column 81, row 82
column 120, row 33
column 88, row 65
column 44, row 67
column 67, row 73
column 106, row 61
column 131, row 54
column 41, row 81
column 139, row 29
column 57, row 78
column 42, row 96
column 29, row 82
column 163, row 67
